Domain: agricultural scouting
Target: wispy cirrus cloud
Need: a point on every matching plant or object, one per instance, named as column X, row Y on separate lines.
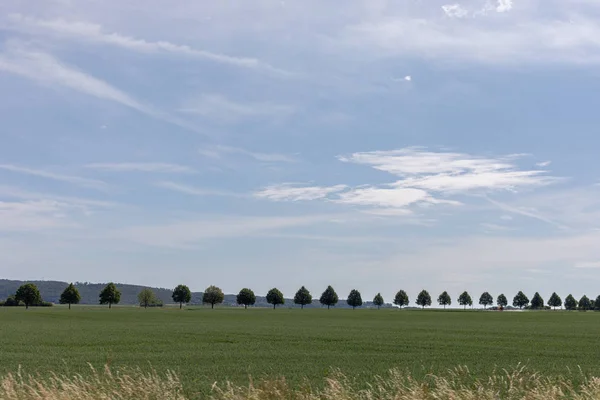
column 291, row 192
column 195, row 191
column 220, row 151
column 427, row 178
column 222, row 109
column 77, row 180
column 47, row 70
column 142, row 167
column 30, row 216
column 94, row 33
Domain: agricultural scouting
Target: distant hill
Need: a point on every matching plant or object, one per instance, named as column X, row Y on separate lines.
column 51, row 290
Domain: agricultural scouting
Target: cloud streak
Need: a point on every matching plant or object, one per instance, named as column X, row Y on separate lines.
column 94, row 33
column 142, row 167
column 85, row 182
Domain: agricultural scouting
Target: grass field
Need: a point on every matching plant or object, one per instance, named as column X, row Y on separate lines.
column 203, row 346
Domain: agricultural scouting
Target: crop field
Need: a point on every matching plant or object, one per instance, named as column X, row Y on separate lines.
column 203, row 346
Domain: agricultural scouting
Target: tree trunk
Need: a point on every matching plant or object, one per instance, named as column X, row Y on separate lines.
column 26, row 305
column 146, row 305
column 212, row 306
column 302, row 306
column 328, row 306
column 245, row 306
column 180, row 305
column 109, row 305
column 273, row 306
column 69, row 306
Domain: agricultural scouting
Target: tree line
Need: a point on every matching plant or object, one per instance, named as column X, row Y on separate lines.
column 29, row 295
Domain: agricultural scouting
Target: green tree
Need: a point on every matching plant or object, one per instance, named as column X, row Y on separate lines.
column 401, row 299
column 28, row 294
column 303, row 297
column 354, row 299
column 444, row 299
column 537, row 302
column 597, row 304
column 465, row 299
column 555, row 301
column 502, row 301
column 146, row 297
column 70, row 296
column 486, row 299
column 378, row 300
column 570, row 303
column 246, row 297
column 181, row 294
column 520, row 300
column 213, row 295
column 584, row 303
column 329, row 297
column 275, row 297
column 424, row 299
column 110, row 295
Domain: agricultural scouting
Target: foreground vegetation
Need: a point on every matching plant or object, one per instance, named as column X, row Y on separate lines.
column 456, row 384
column 202, row 345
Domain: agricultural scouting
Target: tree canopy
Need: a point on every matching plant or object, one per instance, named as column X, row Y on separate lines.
column 146, row 297
column 502, row 301
column 213, row 295
column 181, row 294
column 329, row 297
column 597, row 304
column 28, row 294
column 570, row 303
column 465, row 299
column 424, row 299
column 444, row 299
column 555, row 301
column 303, row 297
column 585, row 303
column 378, row 300
column 537, row 302
column 401, row 299
column 70, row 296
column 110, row 295
column 246, row 297
column 486, row 299
column 520, row 300
column 354, row 299
column 275, row 297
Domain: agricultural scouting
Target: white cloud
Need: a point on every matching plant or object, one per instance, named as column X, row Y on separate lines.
column 219, row 151
column 385, row 198
column 290, row 192
column 85, row 182
column 543, row 164
column 450, row 172
column 94, row 33
column 141, row 167
column 408, row 78
column 455, row 11
column 222, row 109
column 497, row 40
column 588, row 265
column 504, row 5
column 187, row 189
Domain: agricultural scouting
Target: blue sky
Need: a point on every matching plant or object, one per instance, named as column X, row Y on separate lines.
column 384, row 145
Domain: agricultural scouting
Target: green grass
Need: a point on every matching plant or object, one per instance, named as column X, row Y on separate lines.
column 204, row 345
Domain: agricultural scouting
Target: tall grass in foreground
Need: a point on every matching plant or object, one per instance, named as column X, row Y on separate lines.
column 457, row 384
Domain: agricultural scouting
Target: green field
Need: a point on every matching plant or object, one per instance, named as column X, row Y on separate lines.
column 204, row 346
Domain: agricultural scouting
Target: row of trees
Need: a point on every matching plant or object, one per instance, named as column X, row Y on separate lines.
column 30, row 295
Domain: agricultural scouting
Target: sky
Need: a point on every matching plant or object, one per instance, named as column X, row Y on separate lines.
column 376, row 145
